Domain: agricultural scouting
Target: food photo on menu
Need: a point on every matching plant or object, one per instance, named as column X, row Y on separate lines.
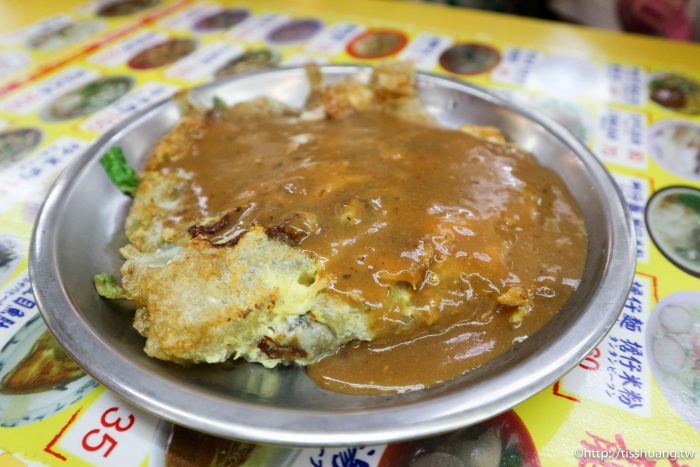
column 379, row 233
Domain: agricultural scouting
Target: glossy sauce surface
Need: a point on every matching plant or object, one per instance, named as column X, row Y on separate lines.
column 424, row 225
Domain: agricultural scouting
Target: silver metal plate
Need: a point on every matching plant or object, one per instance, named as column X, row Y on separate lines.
column 80, row 230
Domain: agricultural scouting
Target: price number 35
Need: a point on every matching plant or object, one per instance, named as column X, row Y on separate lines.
column 100, row 439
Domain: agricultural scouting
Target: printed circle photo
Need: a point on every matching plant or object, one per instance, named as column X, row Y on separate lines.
column 377, row 43
column 470, row 59
column 672, row 217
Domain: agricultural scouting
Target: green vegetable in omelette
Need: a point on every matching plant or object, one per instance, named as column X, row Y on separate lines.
column 119, row 171
column 107, row 286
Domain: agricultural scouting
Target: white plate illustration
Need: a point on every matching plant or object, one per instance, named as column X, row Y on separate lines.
column 21, row 409
column 673, row 344
column 675, row 146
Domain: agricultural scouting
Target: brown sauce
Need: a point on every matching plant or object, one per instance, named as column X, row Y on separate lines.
column 448, row 348
column 386, row 204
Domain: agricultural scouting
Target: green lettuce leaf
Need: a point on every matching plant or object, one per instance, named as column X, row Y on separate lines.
column 119, row 171
column 107, row 286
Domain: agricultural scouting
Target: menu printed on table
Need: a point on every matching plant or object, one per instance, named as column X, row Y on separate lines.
column 12, row 61
column 109, row 433
column 37, row 170
column 360, row 456
column 626, row 84
column 33, row 98
column 257, row 27
column 46, row 25
column 17, row 307
column 128, row 105
column 617, row 372
column 335, row 38
column 636, row 191
column 425, row 49
column 622, row 138
column 186, row 18
column 567, row 75
column 294, row 31
column 516, row 65
column 48, row 160
column 12, row 250
column 120, row 52
column 205, row 61
column 303, row 59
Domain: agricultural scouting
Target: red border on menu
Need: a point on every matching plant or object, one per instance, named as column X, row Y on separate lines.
column 49, row 447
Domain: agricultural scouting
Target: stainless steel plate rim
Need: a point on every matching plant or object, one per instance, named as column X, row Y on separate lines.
column 275, row 425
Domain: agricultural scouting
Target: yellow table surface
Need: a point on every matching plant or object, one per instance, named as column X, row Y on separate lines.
column 595, row 82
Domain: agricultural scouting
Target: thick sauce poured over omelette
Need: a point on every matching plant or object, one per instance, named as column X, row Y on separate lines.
column 397, row 212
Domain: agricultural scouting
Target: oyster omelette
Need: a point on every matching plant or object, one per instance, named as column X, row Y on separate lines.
column 351, row 235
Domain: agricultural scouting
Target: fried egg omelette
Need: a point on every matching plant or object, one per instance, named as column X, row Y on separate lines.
column 279, row 236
